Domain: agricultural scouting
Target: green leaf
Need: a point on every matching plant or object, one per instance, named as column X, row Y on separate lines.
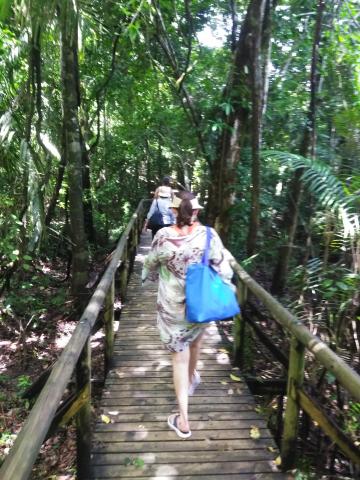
column 138, row 462
column 5, row 6
column 330, row 378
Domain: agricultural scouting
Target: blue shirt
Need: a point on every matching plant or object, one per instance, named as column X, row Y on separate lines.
column 164, row 204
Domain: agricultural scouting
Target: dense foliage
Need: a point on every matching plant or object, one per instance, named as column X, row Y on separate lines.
column 155, row 95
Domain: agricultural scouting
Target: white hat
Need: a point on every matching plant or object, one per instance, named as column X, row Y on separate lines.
column 164, row 191
column 194, row 203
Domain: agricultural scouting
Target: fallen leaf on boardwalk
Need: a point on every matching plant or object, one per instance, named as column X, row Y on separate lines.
column 105, row 419
column 230, row 391
column 223, row 382
column 271, row 449
column 277, row 461
column 235, row 378
column 138, row 462
column 255, row 432
column 223, row 350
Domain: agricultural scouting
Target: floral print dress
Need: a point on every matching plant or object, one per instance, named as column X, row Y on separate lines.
column 170, row 255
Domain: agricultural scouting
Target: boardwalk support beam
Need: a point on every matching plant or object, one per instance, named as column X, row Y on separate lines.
column 295, row 379
column 83, row 417
column 109, row 326
column 239, row 327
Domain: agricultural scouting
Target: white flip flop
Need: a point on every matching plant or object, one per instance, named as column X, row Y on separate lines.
column 172, row 422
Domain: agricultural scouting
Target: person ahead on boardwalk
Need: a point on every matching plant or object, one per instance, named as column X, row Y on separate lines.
column 165, row 187
column 162, row 200
column 172, row 250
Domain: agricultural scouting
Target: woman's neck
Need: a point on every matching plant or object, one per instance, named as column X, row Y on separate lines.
column 186, row 229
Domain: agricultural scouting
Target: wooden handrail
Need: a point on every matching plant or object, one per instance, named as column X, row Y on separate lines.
column 19, row 462
column 301, row 339
column 345, row 375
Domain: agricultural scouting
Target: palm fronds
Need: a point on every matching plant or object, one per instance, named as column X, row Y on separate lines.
column 326, row 188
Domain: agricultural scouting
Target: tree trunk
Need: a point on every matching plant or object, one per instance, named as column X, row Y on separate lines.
column 72, row 146
column 88, row 209
column 256, row 119
column 85, row 137
column 236, row 98
column 59, row 179
column 266, row 50
column 307, row 147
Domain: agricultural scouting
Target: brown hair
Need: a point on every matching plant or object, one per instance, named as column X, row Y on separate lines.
column 184, row 216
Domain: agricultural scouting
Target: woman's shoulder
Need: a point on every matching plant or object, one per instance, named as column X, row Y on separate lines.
column 165, row 232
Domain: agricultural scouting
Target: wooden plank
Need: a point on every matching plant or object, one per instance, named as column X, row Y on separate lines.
column 151, row 470
column 110, row 397
column 167, row 457
column 178, row 446
column 235, row 476
column 161, row 361
column 168, row 435
column 154, row 391
column 146, row 371
column 167, row 409
column 117, row 416
column 195, row 425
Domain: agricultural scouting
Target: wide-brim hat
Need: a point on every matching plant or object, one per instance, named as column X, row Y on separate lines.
column 164, row 191
column 194, row 203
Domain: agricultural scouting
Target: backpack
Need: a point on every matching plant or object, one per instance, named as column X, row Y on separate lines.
column 156, row 219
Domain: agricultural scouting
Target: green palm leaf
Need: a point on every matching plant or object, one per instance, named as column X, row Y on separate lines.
column 326, row 188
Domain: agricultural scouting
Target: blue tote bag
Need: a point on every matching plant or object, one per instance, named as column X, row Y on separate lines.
column 207, row 297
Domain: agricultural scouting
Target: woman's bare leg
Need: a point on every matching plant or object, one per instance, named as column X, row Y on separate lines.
column 181, row 383
column 195, row 348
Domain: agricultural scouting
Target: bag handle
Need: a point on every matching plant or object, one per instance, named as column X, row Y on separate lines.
column 205, row 257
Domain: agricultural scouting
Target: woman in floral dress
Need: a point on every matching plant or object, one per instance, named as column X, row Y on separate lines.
column 172, row 250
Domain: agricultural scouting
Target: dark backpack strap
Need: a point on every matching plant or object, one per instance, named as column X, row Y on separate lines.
column 205, row 257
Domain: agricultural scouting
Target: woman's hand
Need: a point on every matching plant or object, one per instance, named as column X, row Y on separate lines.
column 145, row 227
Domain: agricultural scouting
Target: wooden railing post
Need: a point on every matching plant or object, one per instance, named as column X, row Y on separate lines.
column 133, row 246
column 109, row 326
column 239, row 327
column 124, row 271
column 83, row 417
column 295, row 379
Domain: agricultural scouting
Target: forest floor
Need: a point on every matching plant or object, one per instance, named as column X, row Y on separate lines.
column 36, row 321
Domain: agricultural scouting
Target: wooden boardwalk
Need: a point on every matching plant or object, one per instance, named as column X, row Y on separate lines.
column 138, row 397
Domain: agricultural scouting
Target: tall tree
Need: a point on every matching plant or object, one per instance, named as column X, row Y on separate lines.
column 72, row 142
column 260, row 44
column 307, row 147
column 235, row 121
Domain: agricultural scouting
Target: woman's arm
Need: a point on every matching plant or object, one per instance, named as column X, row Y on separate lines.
column 151, row 263
column 150, row 212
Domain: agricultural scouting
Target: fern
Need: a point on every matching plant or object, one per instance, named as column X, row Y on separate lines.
column 327, row 189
